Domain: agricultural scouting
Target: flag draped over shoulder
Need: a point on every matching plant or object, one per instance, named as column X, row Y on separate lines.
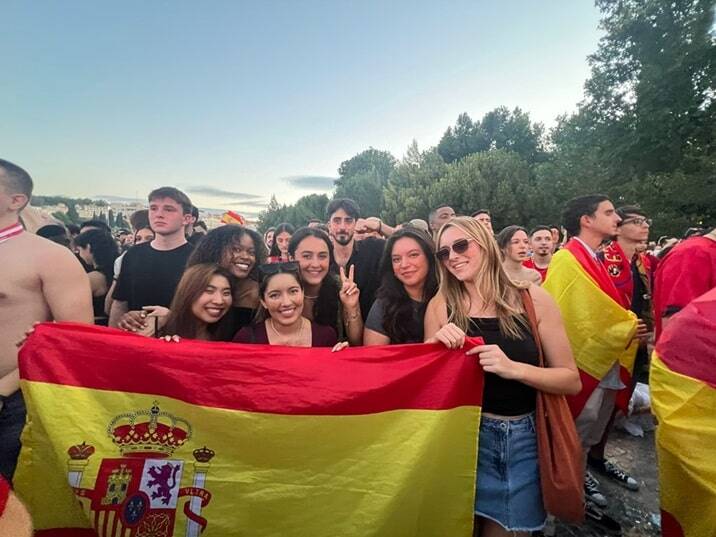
column 168, row 439
column 683, row 394
column 599, row 328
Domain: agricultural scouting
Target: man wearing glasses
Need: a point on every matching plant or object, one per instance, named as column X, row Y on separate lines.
column 632, row 272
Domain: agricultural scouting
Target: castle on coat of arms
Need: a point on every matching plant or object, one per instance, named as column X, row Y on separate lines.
column 137, row 494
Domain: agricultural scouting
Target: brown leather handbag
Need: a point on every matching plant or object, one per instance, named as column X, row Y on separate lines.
column 561, row 460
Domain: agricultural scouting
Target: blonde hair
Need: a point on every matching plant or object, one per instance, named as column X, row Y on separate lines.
column 494, row 286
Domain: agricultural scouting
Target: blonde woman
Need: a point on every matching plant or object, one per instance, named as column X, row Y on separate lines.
column 477, row 298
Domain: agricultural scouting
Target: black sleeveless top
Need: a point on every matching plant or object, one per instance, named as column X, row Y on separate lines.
column 502, row 396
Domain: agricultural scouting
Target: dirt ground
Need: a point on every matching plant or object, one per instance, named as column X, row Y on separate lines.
column 638, row 512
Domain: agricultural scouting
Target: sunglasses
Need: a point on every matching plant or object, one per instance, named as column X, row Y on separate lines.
column 460, row 246
column 269, row 269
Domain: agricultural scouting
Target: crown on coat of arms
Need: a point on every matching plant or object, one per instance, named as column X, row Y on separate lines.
column 148, row 432
column 203, row 454
column 80, row 452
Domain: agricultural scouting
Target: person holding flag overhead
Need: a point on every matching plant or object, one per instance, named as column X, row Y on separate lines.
column 600, row 327
column 683, row 397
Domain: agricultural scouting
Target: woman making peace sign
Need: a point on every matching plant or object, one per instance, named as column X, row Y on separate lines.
column 331, row 296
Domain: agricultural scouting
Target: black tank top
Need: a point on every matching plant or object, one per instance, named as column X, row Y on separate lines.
column 502, row 396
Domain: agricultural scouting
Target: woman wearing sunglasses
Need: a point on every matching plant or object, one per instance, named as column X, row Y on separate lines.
column 408, row 281
column 331, row 298
column 476, row 297
column 281, row 320
column 200, row 305
column 514, row 243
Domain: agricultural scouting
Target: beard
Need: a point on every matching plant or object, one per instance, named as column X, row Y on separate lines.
column 343, row 238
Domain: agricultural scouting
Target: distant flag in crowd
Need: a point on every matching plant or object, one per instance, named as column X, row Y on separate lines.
column 683, row 393
column 130, row 436
column 230, row 217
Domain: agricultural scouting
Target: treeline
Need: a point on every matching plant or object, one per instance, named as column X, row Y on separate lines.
column 644, row 134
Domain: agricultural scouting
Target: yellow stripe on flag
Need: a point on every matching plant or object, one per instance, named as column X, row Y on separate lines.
column 293, row 475
column 600, row 331
column 686, row 447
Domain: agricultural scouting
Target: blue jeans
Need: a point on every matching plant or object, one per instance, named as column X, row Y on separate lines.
column 508, row 484
column 12, row 420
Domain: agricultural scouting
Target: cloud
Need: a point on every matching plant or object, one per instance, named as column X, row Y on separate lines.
column 219, row 193
column 117, row 199
column 261, row 204
column 311, row 182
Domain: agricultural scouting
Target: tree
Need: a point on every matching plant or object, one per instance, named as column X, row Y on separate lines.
column 298, row 214
column 405, row 194
column 120, row 221
column 498, row 129
column 110, row 219
column 363, row 177
column 645, row 132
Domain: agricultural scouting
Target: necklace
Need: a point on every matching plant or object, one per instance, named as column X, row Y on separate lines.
column 288, row 340
column 11, row 231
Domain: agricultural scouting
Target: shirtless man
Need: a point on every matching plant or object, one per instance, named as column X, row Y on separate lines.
column 39, row 281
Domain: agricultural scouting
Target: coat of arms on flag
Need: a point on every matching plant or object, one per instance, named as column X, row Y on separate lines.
column 137, row 495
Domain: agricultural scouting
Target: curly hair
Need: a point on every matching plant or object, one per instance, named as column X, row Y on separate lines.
column 398, row 314
column 213, row 247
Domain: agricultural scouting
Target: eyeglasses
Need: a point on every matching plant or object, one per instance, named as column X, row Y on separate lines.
column 459, row 247
column 638, row 221
column 269, row 269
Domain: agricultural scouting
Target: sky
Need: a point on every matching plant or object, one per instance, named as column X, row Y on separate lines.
column 235, row 101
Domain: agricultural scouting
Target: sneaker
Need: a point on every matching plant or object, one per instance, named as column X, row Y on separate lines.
column 613, row 472
column 592, row 492
column 599, row 518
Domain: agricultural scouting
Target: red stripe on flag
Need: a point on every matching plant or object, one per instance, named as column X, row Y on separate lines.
column 255, row 378
column 576, row 402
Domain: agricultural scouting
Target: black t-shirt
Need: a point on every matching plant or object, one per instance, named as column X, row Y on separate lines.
column 149, row 277
column 366, row 258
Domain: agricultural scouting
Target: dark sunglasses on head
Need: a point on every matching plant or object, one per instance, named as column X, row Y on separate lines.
column 269, row 269
column 459, row 247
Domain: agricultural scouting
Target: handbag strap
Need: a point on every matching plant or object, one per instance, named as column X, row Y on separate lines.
column 529, row 305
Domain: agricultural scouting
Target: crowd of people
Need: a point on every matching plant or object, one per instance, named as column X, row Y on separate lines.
column 352, row 279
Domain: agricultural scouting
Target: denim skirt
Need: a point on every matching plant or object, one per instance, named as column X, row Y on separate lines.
column 508, row 484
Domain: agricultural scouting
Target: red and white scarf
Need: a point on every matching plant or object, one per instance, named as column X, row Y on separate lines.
column 11, row 231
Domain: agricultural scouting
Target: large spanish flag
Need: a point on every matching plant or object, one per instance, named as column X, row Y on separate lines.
column 683, row 397
column 138, row 437
column 600, row 329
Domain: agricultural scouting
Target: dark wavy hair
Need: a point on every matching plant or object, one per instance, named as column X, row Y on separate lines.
column 104, row 250
column 181, row 320
column 326, row 307
column 284, row 227
column 213, row 246
column 398, row 317
column 504, row 237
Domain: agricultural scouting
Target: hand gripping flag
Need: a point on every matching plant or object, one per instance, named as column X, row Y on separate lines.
column 600, row 330
column 134, row 437
column 683, row 397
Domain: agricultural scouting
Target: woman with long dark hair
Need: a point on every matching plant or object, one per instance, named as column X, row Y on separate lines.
column 408, row 282
column 514, row 244
column 476, row 297
column 239, row 250
column 98, row 250
column 281, row 237
column 201, row 303
column 280, row 319
column 331, row 297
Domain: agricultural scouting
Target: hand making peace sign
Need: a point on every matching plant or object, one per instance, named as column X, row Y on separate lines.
column 349, row 293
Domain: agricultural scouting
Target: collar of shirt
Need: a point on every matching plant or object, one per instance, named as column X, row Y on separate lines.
column 589, row 249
